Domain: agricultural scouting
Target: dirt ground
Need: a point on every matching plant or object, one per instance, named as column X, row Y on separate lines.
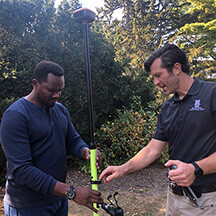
column 151, row 179
column 147, row 183
column 1, row 201
column 142, row 193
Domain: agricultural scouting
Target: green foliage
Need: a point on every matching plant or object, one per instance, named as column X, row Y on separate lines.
column 164, row 155
column 32, row 31
column 197, row 36
column 144, row 27
column 121, row 139
column 147, row 24
column 83, row 165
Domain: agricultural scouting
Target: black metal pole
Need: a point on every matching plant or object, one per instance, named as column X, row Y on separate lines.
column 86, row 16
column 92, row 144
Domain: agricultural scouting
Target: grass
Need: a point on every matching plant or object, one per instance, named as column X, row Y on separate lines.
column 133, row 204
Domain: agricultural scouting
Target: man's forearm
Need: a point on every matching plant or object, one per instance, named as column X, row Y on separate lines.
column 144, row 157
column 208, row 165
column 60, row 189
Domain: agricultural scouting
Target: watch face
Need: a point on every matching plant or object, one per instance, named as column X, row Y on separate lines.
column 71, row 193
column 198, row 172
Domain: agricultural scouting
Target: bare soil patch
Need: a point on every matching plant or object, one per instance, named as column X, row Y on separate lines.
column 149, row 181
column 2, row 191
column 140, row 193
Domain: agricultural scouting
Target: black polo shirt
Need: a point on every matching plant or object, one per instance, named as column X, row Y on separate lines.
column 189, row 125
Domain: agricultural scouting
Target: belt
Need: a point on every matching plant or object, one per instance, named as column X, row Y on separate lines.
column 204, row 188
column 198, row 190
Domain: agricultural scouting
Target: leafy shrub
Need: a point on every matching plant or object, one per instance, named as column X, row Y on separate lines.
column 120, row 140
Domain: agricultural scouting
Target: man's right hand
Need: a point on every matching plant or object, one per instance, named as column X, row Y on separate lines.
column 111, row 172
column 86, row 197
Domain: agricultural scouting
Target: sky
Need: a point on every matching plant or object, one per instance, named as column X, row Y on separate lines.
column 90, row 4
column 93, row 4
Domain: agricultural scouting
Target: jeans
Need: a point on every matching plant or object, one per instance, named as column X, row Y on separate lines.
column 58, row 208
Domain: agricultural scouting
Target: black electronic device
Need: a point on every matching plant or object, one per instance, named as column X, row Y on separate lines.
column 84, row 15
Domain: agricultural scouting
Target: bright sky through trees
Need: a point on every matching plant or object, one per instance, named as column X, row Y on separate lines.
column 93, row 4
column 88, row 4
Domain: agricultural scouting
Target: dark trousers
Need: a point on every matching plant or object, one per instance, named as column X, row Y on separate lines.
column 58, row 208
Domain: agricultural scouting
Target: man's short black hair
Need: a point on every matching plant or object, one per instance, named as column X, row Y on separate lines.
column 169, row 54
column 43, row 68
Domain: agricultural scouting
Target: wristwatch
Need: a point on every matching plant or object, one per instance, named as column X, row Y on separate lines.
column 70, row 193
column 198, row 171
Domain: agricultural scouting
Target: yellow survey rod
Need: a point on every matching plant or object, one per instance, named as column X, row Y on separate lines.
column 93, row 173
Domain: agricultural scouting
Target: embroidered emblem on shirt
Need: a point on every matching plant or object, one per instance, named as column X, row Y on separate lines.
column 197, row 106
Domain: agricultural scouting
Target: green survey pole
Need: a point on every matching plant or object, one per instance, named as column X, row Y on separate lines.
column 86, row 16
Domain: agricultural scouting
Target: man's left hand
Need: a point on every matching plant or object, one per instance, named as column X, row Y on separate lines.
column 86, row 155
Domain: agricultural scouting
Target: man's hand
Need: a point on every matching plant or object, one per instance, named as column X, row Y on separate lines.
column 184, row 174
column 86, row 155
column 86, row 197
column 111, row 172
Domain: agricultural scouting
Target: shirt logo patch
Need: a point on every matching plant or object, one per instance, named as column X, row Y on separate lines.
column 197, row 106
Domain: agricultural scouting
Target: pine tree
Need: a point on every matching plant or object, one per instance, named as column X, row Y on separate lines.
column 197, row 37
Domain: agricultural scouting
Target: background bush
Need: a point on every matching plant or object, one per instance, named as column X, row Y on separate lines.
column 119, row 140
